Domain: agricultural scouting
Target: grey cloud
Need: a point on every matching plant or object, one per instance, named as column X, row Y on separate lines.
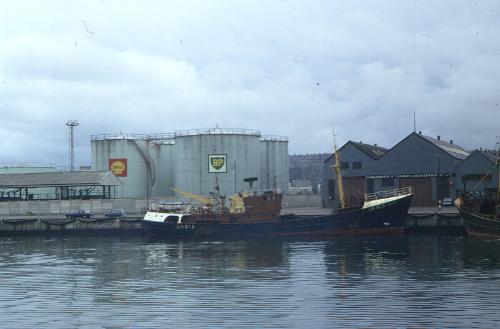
column 284, row 67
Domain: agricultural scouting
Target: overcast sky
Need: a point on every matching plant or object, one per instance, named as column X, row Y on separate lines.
column 292, row 68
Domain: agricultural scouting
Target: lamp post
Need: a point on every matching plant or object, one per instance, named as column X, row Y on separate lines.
column 71, row 124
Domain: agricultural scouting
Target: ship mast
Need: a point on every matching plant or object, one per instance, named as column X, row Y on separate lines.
column 340, row 185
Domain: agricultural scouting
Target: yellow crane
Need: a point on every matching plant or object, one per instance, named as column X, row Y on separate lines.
column 199, row 198
column 237, row 205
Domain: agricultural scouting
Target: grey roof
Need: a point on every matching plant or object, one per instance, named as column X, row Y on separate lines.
column 452, row 149
column 60, row 178
column 373, row 151
column 493, row 158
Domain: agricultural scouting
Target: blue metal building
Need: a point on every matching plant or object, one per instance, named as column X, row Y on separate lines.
column 433, row 167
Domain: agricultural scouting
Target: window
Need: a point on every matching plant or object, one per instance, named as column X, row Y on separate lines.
column 387, row 182
column 344, row 165
column 357, row 165
column 331, row 189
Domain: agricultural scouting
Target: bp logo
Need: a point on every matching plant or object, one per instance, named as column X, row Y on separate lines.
column 217, row 163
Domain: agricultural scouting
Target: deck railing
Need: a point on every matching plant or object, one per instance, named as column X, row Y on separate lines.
column 389, row 193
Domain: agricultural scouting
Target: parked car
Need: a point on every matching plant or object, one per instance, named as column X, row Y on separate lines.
column 447, row 202
column 79, row 214
column 115, row 213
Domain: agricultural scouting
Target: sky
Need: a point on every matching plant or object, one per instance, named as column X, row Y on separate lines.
column 283, row 67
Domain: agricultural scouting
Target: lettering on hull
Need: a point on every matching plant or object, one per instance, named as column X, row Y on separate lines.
column 185, row 226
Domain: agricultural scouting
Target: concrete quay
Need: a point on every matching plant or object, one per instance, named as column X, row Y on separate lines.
column 446, row 220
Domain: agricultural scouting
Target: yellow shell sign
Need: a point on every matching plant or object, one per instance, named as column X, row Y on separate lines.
column 118, row 167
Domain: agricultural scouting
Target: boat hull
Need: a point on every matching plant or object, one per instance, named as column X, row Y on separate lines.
column 387, row 218
column 480, row 226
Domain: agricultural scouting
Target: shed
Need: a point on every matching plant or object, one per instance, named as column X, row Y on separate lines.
column 66, row 184
column 478, row 172
column 357, row 160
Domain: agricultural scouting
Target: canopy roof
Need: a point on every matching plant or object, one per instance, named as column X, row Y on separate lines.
column 59, row 178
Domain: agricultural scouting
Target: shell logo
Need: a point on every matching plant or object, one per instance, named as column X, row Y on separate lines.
column 118, row 167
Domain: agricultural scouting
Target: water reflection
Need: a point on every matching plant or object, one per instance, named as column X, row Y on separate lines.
column 426, row 281
column 217, row 260
column 358, row 256
column 436, row 281
column 483, row 254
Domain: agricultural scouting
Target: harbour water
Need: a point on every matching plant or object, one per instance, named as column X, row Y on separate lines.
column 129, row 282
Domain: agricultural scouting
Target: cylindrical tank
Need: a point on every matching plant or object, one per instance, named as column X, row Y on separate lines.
column 129, row 159
column 235, row 152
column 195, row 161
column 274, row 163
column 162, row 155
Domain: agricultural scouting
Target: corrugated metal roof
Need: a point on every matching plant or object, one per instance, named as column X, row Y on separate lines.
column 61, row 178
column 452, row 149
column 490, row 156
column 373, row 151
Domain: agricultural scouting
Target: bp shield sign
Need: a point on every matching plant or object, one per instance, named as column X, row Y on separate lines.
column 217, row 163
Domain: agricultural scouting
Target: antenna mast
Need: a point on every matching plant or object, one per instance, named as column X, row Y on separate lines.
column 414, row 122
column 71, row 125
column 340, row 185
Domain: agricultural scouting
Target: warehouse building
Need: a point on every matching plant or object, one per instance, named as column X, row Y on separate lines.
column 357, row 160
column 195, row 161
column 435, row 168
column 479, row 172
column 11, row 193
column 57, row 185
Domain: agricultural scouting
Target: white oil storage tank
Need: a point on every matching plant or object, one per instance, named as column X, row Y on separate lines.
column 197, row 161
column 219, row 157
column 162, row 154
column 274, row 163
column 128, row 157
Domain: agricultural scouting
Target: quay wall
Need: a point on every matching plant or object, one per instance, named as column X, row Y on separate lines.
column 414, row 224
column 39, row 225
column 435, row 222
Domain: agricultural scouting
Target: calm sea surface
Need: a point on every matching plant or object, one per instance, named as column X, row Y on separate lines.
column 129, row 282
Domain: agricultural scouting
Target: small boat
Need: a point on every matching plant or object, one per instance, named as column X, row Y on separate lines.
column 256, row 214
column 481, row 224
column 481, row 214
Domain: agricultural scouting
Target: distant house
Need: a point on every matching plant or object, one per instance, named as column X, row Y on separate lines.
column 305, row 171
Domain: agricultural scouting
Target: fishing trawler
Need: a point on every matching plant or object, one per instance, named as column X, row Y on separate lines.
column 259, row 214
